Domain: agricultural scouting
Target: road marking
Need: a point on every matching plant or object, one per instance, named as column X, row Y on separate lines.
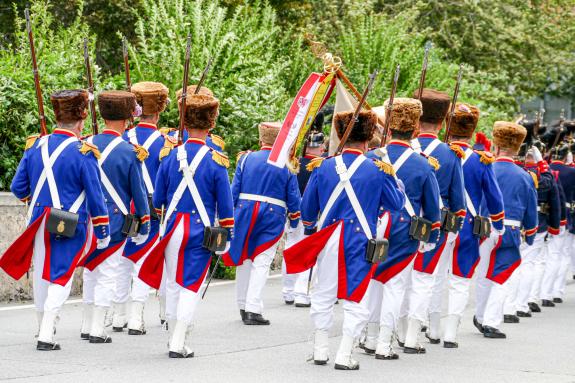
column 79, row 300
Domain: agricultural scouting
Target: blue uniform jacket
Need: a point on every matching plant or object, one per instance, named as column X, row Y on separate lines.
column 566, row 180
column 548, row 200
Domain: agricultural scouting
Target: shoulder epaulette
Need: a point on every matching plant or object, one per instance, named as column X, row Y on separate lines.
column 169, row 144
column 141, row 153
column 220, row 159
column 293, row 165
column 30, row 141
column 240, row 155
column 457, row 150
column 165, row 131
column 217, row 140
column 535, row 180
column 314, row 164
column 433, row 162
column 385, row 167
column 88, row 147
column 485, row 157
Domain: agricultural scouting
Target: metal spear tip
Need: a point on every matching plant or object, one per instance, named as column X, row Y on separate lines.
column 27, row 16
column 428, row 45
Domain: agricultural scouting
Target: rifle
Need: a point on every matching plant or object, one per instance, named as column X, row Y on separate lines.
column 558, row 134
column 184, row 90
column 127, row 72
column 41, row 116
column 453, row 102
column 423, row 70
column 389, row 109
column 356, row 113
column 204, row 75
column 90, row 89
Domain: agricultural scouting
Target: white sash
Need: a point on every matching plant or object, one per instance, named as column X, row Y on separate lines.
column 149, row 141
column 396, row 166
column 468, row 152
column 416, row 145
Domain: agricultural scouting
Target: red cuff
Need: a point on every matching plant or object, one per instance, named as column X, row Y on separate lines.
column 100, row 220
column 295, row 215
column 552, row 230
column 531, row 231
column 226, row 222
column 497, row 217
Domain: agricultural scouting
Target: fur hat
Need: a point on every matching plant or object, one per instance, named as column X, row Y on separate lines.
column 192, row 90
column 435, row 105
column 202, row 111
column 508, row 135
column 465, row 120
column 405, row 114
column 116, row 105
column 363, row 129
column 269, row 131
column 70, row 105
column 152, row 96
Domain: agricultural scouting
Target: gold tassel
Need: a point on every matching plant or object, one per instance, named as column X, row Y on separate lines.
column 486, row 158
column 240, row 155
column 165, row 131
column 220, row 159
column 293, row 165
column 433, row 162
column 535, row 180
column 169, row 144
column 30, row 141
column 315, row 163
column 457, row 150
column 141, row 152
column 385, row 167
column 219, row 141
column 87, row 147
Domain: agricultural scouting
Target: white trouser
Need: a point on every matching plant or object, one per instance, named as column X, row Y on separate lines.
column 538, row 271
column 531, row 257
column 375, row 298
column 442, row 270
column 181, row 303
column 47, row 296
column 552, row 266
column 493, row 315
column 571, row 252
column 417, row 296
column 303, row 285
column 565, row 259
column 393, row 293
column 483, row 285
column 251, row 278
column 512, row 287
column 100, row 284
column 324, row 295
column 289, row 281
column 128, row 278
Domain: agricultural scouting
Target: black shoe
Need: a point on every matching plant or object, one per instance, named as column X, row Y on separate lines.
column 523, row 314
column 423, row 329
column 400, row 344
column 547, row 303
column 100, row 339
column 243, row 314
column 320, row 362
column 414, row 350
column 573, row 276
column 368, row 351
column 253, row 319
column 346, row 368
column 432, row 340
column 534, row 307
column 119, row 329
column 136, row 332
column 84, row 336
column 289, row 303
column 557, row 300
column 491, row 332
column 393, row 356
column 305, row 305
column 177, row 355
column 510, row 319
column 450, row 344
column 47, row 346
column 478, row 325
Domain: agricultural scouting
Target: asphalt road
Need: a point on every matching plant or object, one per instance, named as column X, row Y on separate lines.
column 539, row 349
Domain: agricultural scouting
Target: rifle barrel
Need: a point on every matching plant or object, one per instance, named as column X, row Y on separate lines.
column 41, row 116
column 453, row 102
column 184, row 90
column 204, row 75
column 389, row 109
column 423, row 71
column 90, row 88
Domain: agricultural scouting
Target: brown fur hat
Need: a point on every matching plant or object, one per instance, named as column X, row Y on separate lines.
column 465, row 120
column 202, row 111
column 363, row 129
column 435, row 105
column 116, row 105
column 192, row 90
column 508, row 135
column 405, row 115
column 269, row 131
column 70, row 105
column 152, row 96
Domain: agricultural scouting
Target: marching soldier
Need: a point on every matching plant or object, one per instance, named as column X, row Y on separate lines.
column 347, row 193
column 192, row 184
column 153, row 97
column 264, row 197
column 421, row 211
column 433, row 265
column 500, row 257
column 121, row 176
column 480, row 184
column 59, row 178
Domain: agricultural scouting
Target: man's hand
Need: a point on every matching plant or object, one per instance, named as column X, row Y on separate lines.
column 424, row 247
column 451, row 237
column 139, row 239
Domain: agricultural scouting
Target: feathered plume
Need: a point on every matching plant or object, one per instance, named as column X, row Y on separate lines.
column 481, row 139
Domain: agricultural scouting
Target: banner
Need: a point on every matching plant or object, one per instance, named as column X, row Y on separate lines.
column 344, row 102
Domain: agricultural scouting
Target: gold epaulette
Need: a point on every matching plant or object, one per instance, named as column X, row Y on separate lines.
column 535, row 180
column 220, row 159
column 457, row 150
column 87, row 147
column 486, row 157
column 30, row 141
column 314, row 164
column 165, row 131
column 141, row 153
column 240, row 155
column 219, row 141
column 169, row 144
column 433, row 162
column 385, row 167
column 293, row 165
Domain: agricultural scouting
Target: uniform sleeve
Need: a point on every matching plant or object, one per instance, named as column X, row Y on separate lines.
column 139, row 196
column 160, row 199
column 562, row 204
column 492, row 198
column 310, row 204
column 225, row 203
column 237, row 182
column 293, row 200
column 430, row 205
column 95, row 197
column 21, row 182
column 529, row 221
column 457, row 190
column 392, row 198
column 554, row 201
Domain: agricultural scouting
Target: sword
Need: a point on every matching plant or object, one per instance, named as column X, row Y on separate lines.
column 212, row 274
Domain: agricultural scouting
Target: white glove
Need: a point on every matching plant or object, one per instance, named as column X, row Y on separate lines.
column 451, row 237
column 562, row 230
column 139, row 239
column 569, row 159
column 226, row 249
column 495, row 234
column 537, row 157
column 102, row 243
column 424, row 247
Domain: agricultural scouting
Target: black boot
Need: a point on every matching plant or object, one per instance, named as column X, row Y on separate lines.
column 414, row 350
column 510, row 319
column 253, row 319
column 523, row 314
column 557, row 300
column 450, row 344
column 547, row 303
column 46, row 346
column 432, row 340
column 136, row 332
column 100, row 339
column 243, row 314
column 304, row 305
column 179, row 355
column 289, row 303
column 478, row 325
column 84, row 336
column 534, row 307
column 491, row 332
column 120, row 329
